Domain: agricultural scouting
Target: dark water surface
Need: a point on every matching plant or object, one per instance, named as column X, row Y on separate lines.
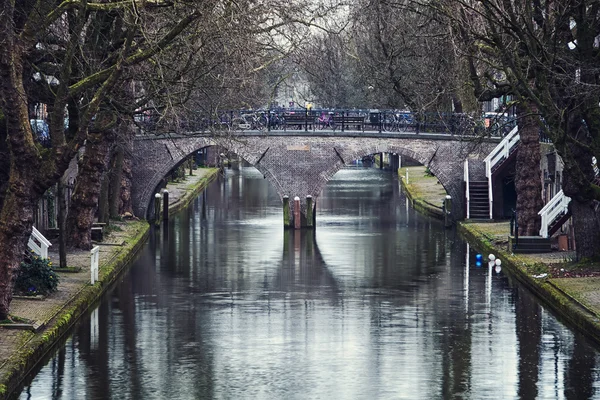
column 378, row 303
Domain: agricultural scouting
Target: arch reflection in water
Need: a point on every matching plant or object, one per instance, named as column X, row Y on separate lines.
column 378, row 302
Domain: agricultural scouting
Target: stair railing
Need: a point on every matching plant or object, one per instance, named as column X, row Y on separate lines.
column 466, row 179
column 500, row 152
column 40, row 249
column 555, row 207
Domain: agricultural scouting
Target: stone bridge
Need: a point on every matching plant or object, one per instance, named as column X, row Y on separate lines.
column 300, row 163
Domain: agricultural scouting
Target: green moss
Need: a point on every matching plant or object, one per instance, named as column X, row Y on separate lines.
column 33, row 346
column 192, row 191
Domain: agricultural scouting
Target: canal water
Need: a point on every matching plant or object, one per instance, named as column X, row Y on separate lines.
column 378, row 303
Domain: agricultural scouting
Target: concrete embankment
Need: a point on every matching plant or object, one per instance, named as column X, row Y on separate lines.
column 45, row 322
column 570, row 289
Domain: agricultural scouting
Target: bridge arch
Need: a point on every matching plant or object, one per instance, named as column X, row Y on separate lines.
column 301, row 164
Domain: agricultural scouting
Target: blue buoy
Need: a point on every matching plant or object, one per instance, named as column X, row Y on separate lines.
column 478, row 264
column 478, row 257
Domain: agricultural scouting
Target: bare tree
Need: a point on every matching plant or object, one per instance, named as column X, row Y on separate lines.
column 55, row 28
column 405, row 51
column 546, row 54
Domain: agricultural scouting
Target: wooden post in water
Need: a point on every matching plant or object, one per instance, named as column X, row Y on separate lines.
column 380, row 160
column 448, row 211
column 297, row 218
column 165, row 205
column 286, row 213
column 157, row 201
column 309, row 212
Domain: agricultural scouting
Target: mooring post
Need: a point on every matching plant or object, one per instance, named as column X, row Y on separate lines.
column 380, row 160
column 309, row 211
column 286, row 213
column 448, row 211
column 157, row 200
column 297, row 219
column 165, row 205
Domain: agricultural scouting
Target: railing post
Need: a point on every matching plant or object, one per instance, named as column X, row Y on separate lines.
column 306, row 120
column 95, row 256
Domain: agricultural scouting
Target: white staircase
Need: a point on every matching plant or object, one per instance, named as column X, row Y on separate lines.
column 496, row 157
column 38, row 243
column 552, row 211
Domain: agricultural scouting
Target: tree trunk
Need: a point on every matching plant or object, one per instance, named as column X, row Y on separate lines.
column 87, row 190
column 126, row 206
column 577, row 174
column 528, row 180
column 15, row 228
column 20, row 199
column 103, row 199
column 116, row 182
column 62, row 229
column 587, row 229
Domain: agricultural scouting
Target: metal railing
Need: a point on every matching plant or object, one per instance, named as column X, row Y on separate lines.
column 554, row 208
column 38, row 243
column 460, row 124
column 500, row 153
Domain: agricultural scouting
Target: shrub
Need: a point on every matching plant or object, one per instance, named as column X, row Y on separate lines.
column 35, row 276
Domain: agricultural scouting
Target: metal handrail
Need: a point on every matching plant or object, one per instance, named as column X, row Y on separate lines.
column 555, row 207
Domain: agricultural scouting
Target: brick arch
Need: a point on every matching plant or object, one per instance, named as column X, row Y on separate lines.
column 302, row 164
column 427, row 157
column 153, row 160
column 164, row 154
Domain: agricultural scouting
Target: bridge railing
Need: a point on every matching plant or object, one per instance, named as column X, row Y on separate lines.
column 460, row 124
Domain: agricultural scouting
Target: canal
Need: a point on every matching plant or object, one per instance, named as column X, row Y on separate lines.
column 378, row 303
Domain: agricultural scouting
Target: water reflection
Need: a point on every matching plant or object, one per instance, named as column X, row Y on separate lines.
column 378, row 302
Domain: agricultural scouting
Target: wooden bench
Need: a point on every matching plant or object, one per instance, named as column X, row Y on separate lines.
column 97, row 232
column 298, row 121
column 345, row 122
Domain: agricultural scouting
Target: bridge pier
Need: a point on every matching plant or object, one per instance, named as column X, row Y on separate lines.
column 297, row 217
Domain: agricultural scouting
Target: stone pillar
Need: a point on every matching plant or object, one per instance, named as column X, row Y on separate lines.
column 286, row 213
column 297, row 216
column 309, row 212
